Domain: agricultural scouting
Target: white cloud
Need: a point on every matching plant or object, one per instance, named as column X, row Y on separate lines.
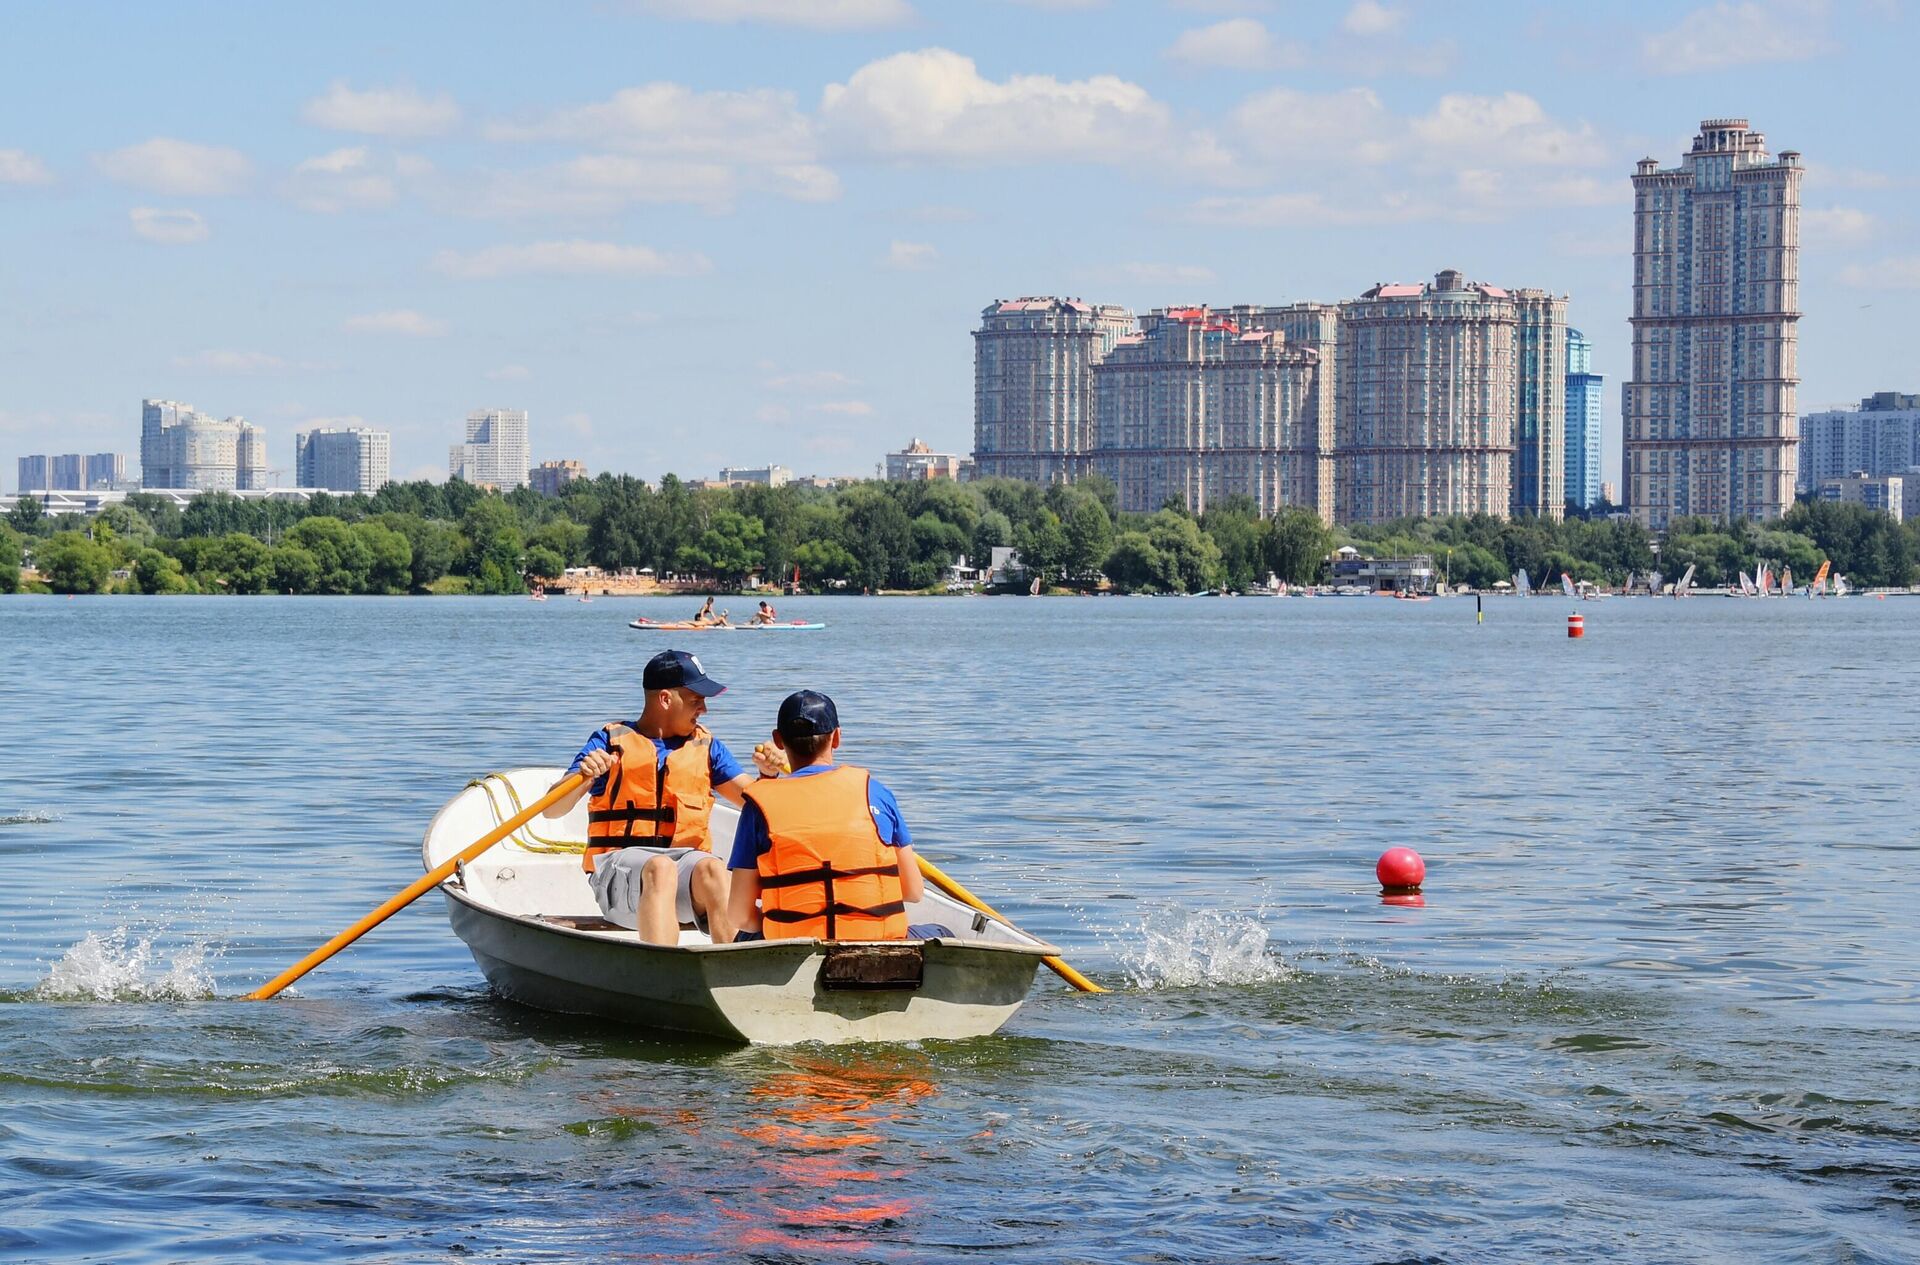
column 1837, row 225
column 772, row 413
column 1236, row 44
column 843, row 408
column 508, row 373
column 17, row 166
column 809, row 380
column 169, row 228
column 1512, row 126
column 397, row 111
column 569, row 258
column 1368, row 17
column 166, row 165
column 1898, row 273
column 1348, row 126
column 758, row 126
column 225, row 361
column 1168, row 274
column 935, row 104
column 911, row 256
column 820, row 15
column 600, row 185
column 1739, row 34
column 403, row 321
column 352, row 179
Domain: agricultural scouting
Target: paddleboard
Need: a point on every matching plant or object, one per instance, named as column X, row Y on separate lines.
column 647, row 625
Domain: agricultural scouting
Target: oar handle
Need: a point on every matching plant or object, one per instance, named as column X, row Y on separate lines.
column 939, row 879
column 420, row 886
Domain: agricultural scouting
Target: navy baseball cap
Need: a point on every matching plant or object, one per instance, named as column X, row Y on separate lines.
column 807, row 714
column 676, row 669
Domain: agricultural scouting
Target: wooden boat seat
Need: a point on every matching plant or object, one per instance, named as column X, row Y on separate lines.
column 582, row 922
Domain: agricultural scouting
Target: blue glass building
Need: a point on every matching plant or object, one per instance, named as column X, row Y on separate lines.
column 1583, row 423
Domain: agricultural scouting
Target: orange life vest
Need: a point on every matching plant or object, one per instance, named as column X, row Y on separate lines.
column 645, row 802
column 827, row 874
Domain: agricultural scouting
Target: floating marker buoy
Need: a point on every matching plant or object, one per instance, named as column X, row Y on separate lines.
column 1400, row 871
column 1576, row 626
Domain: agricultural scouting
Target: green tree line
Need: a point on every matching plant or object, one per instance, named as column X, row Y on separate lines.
column 452, row 537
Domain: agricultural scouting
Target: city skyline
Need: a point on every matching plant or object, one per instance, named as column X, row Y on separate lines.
column 682, row 243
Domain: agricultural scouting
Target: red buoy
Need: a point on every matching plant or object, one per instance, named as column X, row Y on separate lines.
column 1400, row 870
column 1576, row 626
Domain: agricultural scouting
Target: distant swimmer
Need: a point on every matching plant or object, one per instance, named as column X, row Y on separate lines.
column 649, row 846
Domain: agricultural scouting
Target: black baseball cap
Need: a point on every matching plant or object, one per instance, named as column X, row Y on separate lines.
column 807, row 714
column 676, row 669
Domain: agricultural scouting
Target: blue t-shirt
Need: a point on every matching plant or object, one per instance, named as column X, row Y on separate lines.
column 721, row 766
column 750, row 839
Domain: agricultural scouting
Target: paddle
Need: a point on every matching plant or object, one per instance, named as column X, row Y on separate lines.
column 940, row 880
column 414, row 890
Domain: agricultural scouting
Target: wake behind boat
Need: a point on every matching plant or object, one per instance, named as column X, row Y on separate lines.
column 525, row 910
column 683, row 625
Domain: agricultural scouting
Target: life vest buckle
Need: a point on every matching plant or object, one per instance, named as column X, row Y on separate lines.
column 873, row 968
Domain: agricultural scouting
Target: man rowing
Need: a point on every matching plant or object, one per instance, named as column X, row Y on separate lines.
column 649, row 847
column 823, row 852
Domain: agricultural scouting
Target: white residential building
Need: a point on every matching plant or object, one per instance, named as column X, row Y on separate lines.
column 1882, row 436
column 1883, row 492
column 496, row 454
column 182, row 448
column 353, row 459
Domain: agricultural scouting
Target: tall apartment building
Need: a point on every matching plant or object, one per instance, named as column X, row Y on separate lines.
column 1196, row 408
column 36, row 474
column 72, row 472
column 1709, row 425
column 1880, row 437
column 183, row 448
column 353, row 459
column 1033, row 390
column 1429, row 400
column 549, row 477
column 1313, row 327
column 1583, row 423
column 496, row 453
column 106, row 470
column 1540, row 404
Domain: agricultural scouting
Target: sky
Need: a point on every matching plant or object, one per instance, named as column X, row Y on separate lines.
column 692, row 233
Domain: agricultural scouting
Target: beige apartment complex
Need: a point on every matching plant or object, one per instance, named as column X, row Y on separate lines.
column 1033, row 385
column 1198, row 407
column 1709, row 424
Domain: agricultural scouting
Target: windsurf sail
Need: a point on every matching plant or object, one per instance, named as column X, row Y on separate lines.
column 1566, row 585
column 1521, row 584
column 1819, row 584
column 1747, row 587
column 1686, row 580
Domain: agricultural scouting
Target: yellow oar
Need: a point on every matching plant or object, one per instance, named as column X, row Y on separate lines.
column 414, row 890
column 939, row 879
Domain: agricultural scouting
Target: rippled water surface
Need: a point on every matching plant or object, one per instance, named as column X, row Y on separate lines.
column 1660, row 1004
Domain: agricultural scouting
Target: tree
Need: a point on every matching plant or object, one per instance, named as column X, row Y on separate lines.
column 544, row 563
column 156, row 572
column 295, row 569
column 1134, row 564
column 1297, row 545
column 10, row 553
column 433, row 547
column 1234, row 526
column 341, row 555
column 1043, row 545
column 235, row 563
column 1089, row 531
column 1191, row 560
column 823, row 561
column 879, row 535
column 25, row 515
column 389, row 557
column 993, row 531
column 727, row 550
column 494, row 546
column 70, row 563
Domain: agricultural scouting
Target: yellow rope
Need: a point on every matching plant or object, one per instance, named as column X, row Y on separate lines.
column 524, row 838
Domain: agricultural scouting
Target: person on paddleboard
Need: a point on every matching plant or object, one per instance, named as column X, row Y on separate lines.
column 649, row 849
column 822, row 852
column 765, row 615
column 706, row 618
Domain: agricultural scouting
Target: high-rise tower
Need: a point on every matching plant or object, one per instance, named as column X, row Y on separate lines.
column 1709, row 411
column 1033, row 362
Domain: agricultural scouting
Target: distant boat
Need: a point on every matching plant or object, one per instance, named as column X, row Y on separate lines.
column 1840, row 586
column 1521, row 584
column 1819, row 586
column 1685, row 582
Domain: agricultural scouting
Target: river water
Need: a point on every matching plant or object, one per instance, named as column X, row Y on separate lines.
column 1660, row 1004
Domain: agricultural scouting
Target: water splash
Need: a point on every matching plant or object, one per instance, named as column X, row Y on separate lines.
column 1198, row 950
column 31, row 817
column 117, row 967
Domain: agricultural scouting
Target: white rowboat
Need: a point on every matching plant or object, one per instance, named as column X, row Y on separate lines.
column 525, row 910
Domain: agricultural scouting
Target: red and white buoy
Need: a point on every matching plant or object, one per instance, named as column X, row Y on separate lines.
column 1576, row 625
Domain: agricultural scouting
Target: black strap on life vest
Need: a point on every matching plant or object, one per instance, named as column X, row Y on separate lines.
column 824, row 877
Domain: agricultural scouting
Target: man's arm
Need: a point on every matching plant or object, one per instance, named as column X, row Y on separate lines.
column 743, row 899
column 912, row 886
column 594, row 762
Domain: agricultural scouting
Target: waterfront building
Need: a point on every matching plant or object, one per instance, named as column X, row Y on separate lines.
column 1429, row 399
column 183, row 448
column 353, row 459
column 918, row 463
column 1540, row 404
column 1883, row 492
column 1313, row 327
column 761, row 476
column 1583, row 423
column 1709, row 424
column 1882, row 436
column 1414, row 574
column 1196, row 408
column 1033, row 393
column 549, row 477
column 496, row 453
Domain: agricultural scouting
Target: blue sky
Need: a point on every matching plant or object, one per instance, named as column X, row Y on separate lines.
column 688, row 233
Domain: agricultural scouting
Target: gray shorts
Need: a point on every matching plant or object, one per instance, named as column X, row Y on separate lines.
column 617, row 883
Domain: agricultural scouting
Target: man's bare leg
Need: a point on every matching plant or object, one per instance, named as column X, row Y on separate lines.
column 711, row 888
column 658, row 879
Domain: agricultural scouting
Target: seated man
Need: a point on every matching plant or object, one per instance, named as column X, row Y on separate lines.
column 765, row 614
column 649, row 848
column 822, row 853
